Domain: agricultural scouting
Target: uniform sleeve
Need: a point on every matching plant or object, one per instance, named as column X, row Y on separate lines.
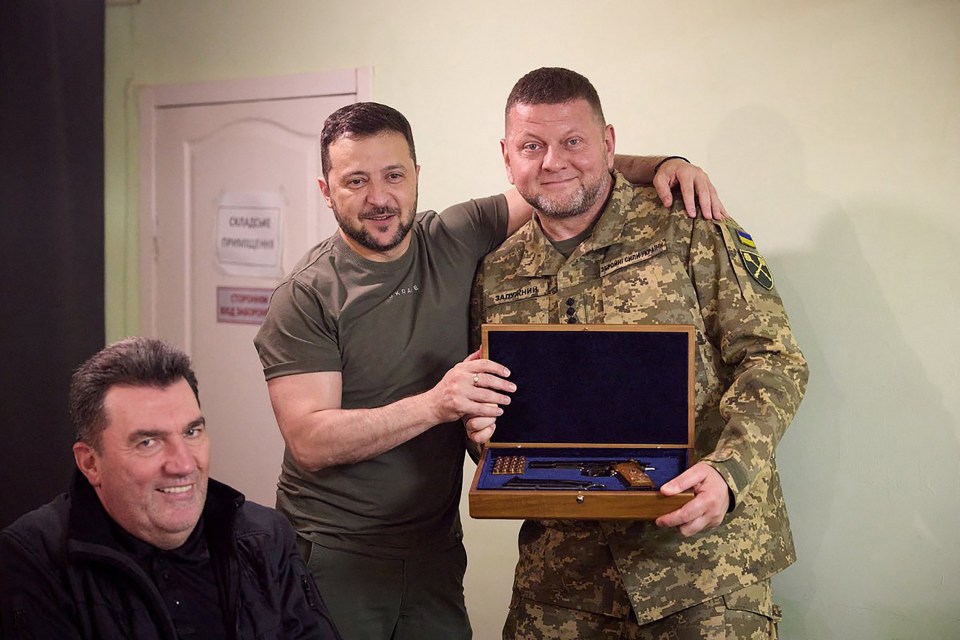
column 297, row 336
column 33, row 601
column 745, row 319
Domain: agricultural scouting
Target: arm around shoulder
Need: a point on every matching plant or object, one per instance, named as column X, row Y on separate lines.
column 520, row 211
column 665, row 173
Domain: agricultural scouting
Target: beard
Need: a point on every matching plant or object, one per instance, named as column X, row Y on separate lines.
column 571, row 206
column 363, row 237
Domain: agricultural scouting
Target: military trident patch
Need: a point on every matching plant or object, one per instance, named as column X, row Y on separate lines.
column 757, row 268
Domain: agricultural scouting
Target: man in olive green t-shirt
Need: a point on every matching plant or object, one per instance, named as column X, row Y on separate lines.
column 365, row 352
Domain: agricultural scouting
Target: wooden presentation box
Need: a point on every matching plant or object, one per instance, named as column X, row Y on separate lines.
column 588, row 396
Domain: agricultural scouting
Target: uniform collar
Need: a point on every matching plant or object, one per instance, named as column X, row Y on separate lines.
column 540, row 258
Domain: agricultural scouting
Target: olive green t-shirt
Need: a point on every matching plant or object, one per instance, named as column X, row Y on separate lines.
column 392, row 329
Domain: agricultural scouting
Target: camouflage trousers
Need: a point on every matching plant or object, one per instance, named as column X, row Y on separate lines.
column 735, row 616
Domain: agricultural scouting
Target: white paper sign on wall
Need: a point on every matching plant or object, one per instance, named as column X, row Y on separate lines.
column 249, row 234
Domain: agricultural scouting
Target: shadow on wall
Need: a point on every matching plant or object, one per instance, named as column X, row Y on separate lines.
column 870, row 465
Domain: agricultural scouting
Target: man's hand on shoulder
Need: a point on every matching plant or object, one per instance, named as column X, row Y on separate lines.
column 695, row 186
column 665, row 173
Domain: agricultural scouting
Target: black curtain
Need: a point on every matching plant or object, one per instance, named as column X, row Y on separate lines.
column 51, row 221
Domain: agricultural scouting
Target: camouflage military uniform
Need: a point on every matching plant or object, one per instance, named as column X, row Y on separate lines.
column 645, row 264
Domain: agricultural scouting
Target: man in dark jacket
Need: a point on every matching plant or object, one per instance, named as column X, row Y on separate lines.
column 144, row 545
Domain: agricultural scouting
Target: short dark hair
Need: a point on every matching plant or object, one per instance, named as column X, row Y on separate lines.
column 362, row 120
column 134, row 362
column 553, row 85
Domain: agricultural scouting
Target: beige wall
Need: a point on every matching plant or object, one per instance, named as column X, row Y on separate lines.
column 832, row 130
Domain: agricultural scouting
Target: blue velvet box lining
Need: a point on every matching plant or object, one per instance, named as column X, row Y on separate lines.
column 667, row 463
column 593, row 393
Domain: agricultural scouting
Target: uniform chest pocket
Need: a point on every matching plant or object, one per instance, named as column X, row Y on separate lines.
column 648, row 286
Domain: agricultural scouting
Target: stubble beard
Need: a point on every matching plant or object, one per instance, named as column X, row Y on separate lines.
column 363, row 237
column 577, row 204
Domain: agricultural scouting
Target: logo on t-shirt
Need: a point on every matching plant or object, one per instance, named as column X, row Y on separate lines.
column 402, row 291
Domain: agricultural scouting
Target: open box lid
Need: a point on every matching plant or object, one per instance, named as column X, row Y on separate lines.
column 595, row 384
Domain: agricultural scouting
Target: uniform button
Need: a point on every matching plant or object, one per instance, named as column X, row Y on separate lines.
column 571, row 320
column 570, row 301
column 570, row 311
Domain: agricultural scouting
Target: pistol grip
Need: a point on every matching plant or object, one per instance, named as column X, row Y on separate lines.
column 632, row 475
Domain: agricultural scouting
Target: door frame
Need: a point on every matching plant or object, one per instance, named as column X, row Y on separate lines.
column 153, row 98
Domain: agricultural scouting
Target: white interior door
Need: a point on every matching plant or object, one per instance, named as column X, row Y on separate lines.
column 229, row 202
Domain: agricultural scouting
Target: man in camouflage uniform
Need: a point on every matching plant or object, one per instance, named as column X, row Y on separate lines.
column 368, row 393
column 600, row 250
